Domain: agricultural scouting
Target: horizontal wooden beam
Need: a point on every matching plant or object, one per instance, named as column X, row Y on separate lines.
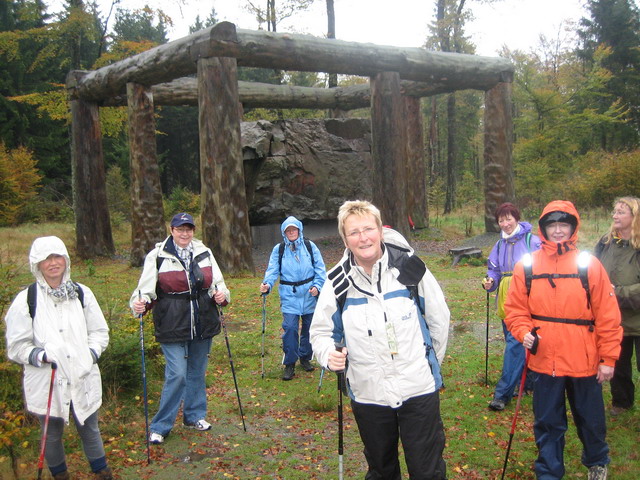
column 286, row 51
column 183, row 91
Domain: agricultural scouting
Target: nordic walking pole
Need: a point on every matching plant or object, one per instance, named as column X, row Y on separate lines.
column 144, row 383
column 341, row 380
column 264, row 326
column 321, row 377
column 486, row 347
column 43, row 441
column 528, row 353
column 233, row 370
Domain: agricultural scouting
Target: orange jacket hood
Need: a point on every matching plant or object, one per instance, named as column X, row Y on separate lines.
column 559, row 206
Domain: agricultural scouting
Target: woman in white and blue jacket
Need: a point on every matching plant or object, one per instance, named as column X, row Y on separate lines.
column 299, row 266
column 387, row 314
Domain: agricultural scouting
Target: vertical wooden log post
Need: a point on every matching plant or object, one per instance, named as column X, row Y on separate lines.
column 147, row 216
column 225, row 216
column 498, row 138
column 93, row 225
column 416, row 165
column 388, row 151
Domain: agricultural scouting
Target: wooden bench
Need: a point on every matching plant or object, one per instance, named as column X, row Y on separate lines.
column 461, row 252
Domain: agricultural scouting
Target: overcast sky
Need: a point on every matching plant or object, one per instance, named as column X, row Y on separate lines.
column 404, row 23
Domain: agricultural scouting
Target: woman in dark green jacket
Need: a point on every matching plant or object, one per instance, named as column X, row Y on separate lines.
column 619, row 252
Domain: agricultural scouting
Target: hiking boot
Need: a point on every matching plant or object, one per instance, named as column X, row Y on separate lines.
column 156, row 438
column 201, row 425
column 615, row 411
column 598, row 472
column 306, row 365
column 104, row 474
column 497, row 405
column 289, row 372
column 62, row 475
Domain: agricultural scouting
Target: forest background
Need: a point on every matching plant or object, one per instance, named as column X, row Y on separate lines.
column 576, row 107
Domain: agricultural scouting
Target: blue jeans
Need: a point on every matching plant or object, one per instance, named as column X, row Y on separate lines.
column 550, row 423
column 186, row 365
column 512, row 365
column 296, row 346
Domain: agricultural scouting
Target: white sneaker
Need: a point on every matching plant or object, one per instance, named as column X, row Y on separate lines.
column 598, row 472
column 201, row 425
column 156, row 438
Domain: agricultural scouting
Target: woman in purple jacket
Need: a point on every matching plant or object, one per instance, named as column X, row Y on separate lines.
column 516, row 239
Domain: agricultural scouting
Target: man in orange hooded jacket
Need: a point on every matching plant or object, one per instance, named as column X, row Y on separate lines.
column 577, row 340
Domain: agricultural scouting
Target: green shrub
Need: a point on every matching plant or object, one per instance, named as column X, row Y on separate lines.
column 182, row 200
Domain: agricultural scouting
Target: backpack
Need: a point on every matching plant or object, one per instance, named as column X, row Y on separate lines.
column 527, row 241
column 32, row 297
column 307, row 244
column 583, row 275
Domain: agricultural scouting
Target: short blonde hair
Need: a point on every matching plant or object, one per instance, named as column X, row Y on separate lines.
column 634, row 205
column 360, row 208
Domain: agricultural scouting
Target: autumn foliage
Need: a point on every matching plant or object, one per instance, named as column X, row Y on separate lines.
column 19, row 182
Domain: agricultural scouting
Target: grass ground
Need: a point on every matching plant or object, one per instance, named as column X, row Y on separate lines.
column 292, row 430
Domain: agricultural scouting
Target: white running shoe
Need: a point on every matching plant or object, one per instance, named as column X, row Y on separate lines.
column 156, row 438
column 201, row 425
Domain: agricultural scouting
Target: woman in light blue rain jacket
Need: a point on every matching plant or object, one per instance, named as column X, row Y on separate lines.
column 299, row 266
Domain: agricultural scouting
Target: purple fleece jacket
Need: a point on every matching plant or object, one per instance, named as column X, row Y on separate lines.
column 506, row 253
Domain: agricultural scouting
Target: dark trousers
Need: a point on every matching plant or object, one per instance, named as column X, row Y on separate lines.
column 550, row 424
column 417, row 423
column 622, row 387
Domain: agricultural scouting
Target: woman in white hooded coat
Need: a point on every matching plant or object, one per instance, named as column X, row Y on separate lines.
column 68, row 329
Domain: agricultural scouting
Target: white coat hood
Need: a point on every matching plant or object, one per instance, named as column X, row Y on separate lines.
column 43, row 247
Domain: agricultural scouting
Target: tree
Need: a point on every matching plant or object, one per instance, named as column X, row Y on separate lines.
column 448, row 37
column 273, row 14
column 615, row 24
column 142, row 25
column 19, row 181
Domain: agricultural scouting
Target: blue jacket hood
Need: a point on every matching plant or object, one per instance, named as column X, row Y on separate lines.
column 291, row 221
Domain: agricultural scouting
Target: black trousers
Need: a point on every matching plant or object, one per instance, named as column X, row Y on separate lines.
column 622, row 387
column 417, row 424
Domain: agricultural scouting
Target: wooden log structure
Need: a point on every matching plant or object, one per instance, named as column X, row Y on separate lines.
column 416, row 189
column 498, row 167
column 225, row 219
column 184, row 92
column 93, row 224
column 214, row 54
column 147, row 216
column 388, row 152
column 286, row 51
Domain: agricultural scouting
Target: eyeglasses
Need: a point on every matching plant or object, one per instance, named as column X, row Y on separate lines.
column 356, row 233
column 621, row 212
column 183, row 229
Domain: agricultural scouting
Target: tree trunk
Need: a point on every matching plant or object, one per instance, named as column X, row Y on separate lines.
column 498, row 168
column 416, row 166
column 93, row 225
column 147, row 215
column 225, row 216
column 388, row 152
column 331, row 33
column 452, row 154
